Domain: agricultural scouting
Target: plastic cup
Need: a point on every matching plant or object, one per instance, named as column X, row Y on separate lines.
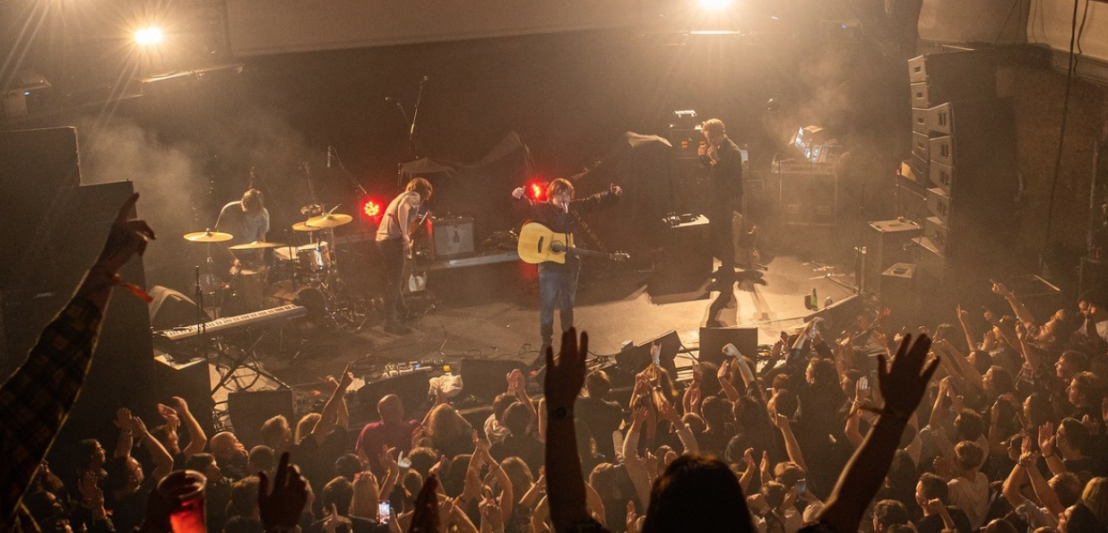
column 183, row 493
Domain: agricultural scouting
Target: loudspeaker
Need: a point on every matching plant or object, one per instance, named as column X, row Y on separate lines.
column 192, row 382
column 637, row 358
column 411, row 387
column 899, row 292
column 841, row 314
column 485, row 378
column 685, row 262
column 712, row 341
column 250, row 409
column 38, row 170
column 452, row 236
column 171, row 309
column 887, row 242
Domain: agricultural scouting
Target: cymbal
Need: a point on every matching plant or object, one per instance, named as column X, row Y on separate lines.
column 329, row 221
column 257, row 245
column 303, row 226
column 208, row 236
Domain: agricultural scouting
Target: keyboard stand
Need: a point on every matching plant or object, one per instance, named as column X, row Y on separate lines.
column 244, row 361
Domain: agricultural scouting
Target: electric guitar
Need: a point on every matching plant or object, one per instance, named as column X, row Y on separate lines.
column 540, row 244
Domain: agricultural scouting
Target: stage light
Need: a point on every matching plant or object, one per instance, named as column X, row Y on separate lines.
column 537, row 191
column 371, row 208
column 715, row 4
column 148, row 36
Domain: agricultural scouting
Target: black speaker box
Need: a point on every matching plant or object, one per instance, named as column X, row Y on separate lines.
column 685, row 262
column 411, row 387
column 250, row 409
column 840, row 315
column 191, row 381
column 712, row 341
column 485, row 378
column 637, row 358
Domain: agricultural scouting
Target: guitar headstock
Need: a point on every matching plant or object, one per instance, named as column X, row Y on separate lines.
column 620, row 256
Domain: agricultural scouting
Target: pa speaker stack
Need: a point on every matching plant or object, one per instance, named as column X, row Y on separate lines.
column 964, row 159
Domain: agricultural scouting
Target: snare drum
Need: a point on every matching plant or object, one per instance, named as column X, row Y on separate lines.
column 314, row 257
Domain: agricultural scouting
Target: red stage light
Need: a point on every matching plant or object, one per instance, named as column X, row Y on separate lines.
column 371, row 208
column 537, row 191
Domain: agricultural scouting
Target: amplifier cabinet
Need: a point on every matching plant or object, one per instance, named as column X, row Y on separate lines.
column 452, row 237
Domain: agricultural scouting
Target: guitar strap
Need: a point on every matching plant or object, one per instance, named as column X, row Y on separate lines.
column 588, row 232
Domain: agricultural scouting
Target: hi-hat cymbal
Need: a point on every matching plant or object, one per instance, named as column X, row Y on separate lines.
column 303, row 226
column 256, row 245
column 329, row 221
column 208, row 236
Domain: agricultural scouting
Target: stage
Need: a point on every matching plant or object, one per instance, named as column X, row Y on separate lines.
column 502, row 323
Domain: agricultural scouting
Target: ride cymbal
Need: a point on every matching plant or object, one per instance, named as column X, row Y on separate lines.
column 257, row 245
column 208, row 236
column 333, row 220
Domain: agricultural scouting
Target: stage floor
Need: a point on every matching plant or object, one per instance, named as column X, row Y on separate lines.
column 503, row 324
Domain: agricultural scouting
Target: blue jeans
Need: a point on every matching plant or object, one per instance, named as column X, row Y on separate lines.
column 557, row 289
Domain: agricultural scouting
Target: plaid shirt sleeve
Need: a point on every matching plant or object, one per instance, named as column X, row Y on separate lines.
column 34, row 401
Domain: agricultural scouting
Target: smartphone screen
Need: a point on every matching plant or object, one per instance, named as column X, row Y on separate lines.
column 801, row 486
column 383, row 512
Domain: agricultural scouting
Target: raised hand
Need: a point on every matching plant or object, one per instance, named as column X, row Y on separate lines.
column 903, row 385
column 347, row 377
column 1000, row 290
column 632, row 517
column 615, row 189
column 1046, row 438
column 566, row 375
column 748, row 458
column 963, row 315
column 280, row 508
column 180, row 405
column 126, row 237
column 668, row 412
column 123, row 419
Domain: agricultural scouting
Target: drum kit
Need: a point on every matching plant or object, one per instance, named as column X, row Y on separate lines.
column 302, row 274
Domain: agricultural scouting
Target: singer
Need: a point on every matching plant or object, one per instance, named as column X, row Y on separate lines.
column 558, row 282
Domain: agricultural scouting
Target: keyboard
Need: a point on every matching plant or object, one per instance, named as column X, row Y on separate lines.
column 231, row 323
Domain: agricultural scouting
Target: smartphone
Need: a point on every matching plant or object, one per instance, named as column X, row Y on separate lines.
column 863, row 383
column 384, row 510
column 801, row 487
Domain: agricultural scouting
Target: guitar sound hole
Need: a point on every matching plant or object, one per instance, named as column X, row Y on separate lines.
column 538, row 248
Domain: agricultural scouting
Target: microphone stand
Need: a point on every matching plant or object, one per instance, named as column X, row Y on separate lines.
column 411, row 132
column 201, row 324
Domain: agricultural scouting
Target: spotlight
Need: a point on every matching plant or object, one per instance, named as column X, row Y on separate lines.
column 715, row 4
column 371, row 208
column 148, row 36
column 537, row 191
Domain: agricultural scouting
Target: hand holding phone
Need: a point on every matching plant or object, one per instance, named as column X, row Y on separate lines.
column 384, row 511
column 802, row 485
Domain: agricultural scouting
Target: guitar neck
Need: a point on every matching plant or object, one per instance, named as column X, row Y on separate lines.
column 582, row 252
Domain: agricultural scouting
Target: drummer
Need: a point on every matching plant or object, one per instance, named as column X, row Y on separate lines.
column 248, row 221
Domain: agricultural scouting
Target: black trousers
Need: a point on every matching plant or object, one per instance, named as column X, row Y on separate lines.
column 392, row 258
column 722, row 238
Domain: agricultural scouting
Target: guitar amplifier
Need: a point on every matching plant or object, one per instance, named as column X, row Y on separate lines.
column 452, row 237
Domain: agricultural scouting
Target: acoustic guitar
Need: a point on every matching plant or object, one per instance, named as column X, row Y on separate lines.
column 540, row 244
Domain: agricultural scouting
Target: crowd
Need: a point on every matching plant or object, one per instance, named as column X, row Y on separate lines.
column 941, row 430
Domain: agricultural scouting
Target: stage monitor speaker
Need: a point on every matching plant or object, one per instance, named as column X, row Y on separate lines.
column 637, row 358
column 840, row 315
column 250, row 409
column 485, row 378
column 712, row 341
column 191, row 381
column 171, row 309
column 452, row 237
column 411, row 387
